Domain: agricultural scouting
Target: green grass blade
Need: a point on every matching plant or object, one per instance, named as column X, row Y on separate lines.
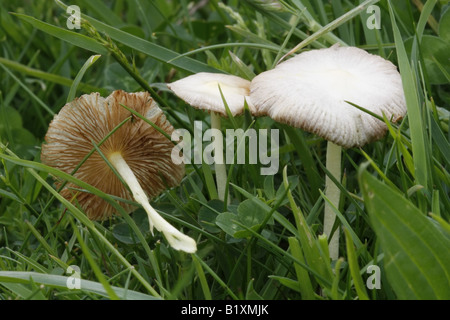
column 60, row 282
column 201, row 274
column 153, row 50
column 421, row 163
column 39, row 101
column 25, row 70
column 103, row 10
column 216, row 277
column 77, row 80
column 306, row 288
column 98, row 273
column 425, row 14
column 354, row 267
column 72, row 37
column 304, row 152
column 261, row 46
column 40, row 238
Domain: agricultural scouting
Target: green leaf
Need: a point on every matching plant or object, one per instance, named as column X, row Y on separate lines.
column 208, row 213
column 249, row 214
column 123, row 233
column 11, row 118
column 444, row 26
column 416, row 256
column 435, row 55
column 263, row 206
column 226, row 222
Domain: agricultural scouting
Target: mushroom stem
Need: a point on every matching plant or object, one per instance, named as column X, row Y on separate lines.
column 219, row 163
column 176, row 239
column 332, row 192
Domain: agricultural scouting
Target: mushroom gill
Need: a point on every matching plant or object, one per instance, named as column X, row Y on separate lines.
column 140, row 153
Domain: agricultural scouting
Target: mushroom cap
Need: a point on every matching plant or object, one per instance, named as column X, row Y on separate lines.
column 309, row 92
column 89, row 119
column 201, row 90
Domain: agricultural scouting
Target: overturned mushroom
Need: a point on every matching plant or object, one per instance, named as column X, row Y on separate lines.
column 139, row 153
column 311, row 90
column 202, row 91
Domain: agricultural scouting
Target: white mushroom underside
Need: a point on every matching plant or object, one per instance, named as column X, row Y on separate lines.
column 201, row 91
column 310, row 90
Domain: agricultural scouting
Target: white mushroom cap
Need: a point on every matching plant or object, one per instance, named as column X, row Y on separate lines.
column 309, row 92
column 201, row 90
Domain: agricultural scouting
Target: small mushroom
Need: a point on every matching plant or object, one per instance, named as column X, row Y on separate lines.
column 139, row 153
column 202, row 91
column 311, row 90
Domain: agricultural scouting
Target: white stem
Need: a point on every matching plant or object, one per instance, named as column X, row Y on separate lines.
column 332, row 192
column 176, row 239
column 220, row 166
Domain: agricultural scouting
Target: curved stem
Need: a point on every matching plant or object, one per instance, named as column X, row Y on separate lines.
column 332, row 192
column 219, row 163
column 176, row 239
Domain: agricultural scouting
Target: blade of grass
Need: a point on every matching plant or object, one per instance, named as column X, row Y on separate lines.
column 60, row 282
column 98, row 273
column 41, row 240
column 228, row 45
column 306, row 288
column 216, row 277
column 202, row 277
column 137, row 114
column 72, row 37
column 421, row 162
column 358, row 243
column 155, row 51
column 25, row 70
column 73, row 89
column 354, row 267
column 36, row 98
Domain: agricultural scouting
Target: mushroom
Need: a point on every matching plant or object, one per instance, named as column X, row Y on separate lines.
column 311, row 90
column 201, row 90
column 139, row 153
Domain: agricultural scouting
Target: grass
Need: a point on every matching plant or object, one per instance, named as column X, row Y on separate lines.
column 266, row 242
